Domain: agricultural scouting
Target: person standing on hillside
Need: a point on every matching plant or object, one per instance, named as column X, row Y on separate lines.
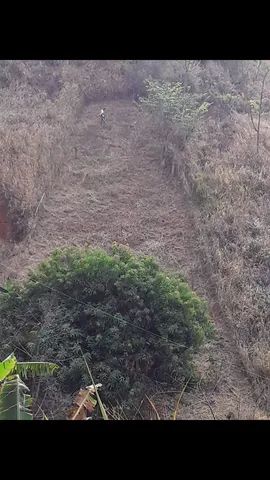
column 102, row 116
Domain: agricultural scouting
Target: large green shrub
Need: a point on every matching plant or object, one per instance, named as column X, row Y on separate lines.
column 136, row 324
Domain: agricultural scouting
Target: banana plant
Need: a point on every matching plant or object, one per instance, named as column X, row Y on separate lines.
column 15, row 399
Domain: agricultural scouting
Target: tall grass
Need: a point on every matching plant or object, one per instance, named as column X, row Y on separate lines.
column 229, row 183
column 40, row 103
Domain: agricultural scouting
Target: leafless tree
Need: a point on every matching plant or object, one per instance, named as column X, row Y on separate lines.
column 258, row 125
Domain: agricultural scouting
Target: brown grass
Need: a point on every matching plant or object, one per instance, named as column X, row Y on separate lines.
column 219, row 168
column 234, row 236
column 33, row 145
column 40, row 104
column 229, row 184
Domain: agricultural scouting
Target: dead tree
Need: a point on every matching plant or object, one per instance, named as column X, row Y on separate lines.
column 258, row 69
column 257, row 127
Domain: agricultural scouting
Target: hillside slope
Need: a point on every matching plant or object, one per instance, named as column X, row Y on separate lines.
column 110, row 192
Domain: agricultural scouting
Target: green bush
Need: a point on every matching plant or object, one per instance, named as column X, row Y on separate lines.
column 173, row 104
column 136, row 324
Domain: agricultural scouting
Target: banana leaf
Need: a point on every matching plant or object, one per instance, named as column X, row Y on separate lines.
column 15, row 402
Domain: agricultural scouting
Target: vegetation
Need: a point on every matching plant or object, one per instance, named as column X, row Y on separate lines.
column 224, row 168
column 15, row 403
column 207, row 123
column 136, row 324
column 174, row 106
column 175, row 113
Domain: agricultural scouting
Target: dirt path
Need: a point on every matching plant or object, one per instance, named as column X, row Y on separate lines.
column 109, row 193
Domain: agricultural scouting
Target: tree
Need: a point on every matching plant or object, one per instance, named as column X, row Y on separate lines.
column 15, row 401
column 136, row 324
column 257, row 107
column 173, row 104
column 175, row 113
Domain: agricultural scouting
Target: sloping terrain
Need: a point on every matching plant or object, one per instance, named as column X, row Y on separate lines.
column 111, row 192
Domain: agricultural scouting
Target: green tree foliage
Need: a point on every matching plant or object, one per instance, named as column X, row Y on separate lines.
column 15, row 401
column 136, row 324
column 173, row 104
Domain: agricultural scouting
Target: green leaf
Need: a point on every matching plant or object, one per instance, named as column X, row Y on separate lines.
column 14, row 402
column 7, row 366
column 36, row 368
